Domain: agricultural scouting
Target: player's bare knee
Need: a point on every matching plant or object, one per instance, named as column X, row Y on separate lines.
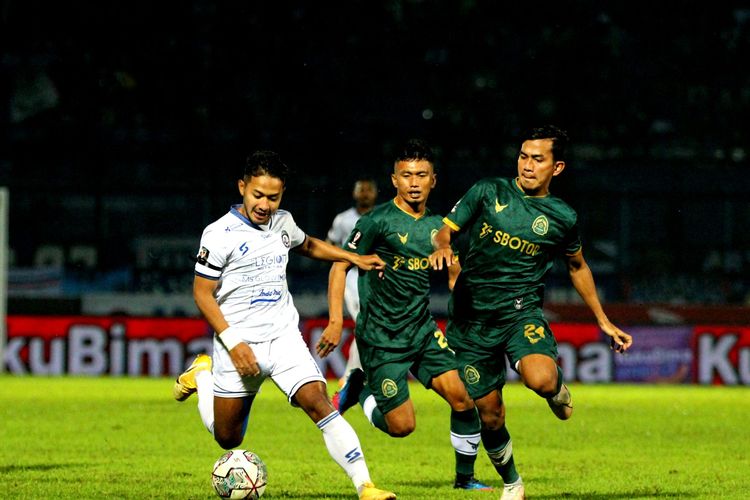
column 462, row 406
column 545, row 389
column 542, row 383
column 401, row 429
column 400, row 424
column 461, row 402
column 493, row 421
column 492, row 418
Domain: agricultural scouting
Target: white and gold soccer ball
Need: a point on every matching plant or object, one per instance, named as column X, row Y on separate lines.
column 239, row 474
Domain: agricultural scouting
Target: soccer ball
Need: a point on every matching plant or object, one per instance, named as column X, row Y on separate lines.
column 239, row 474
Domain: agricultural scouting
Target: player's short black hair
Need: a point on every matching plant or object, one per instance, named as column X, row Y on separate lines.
column 558, row 136
column 266, row 163
column 415, row 150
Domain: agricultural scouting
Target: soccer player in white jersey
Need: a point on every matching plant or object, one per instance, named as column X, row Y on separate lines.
column 240, row 288
column 365, row 194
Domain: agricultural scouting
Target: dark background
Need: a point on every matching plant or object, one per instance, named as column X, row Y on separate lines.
column 126, row 125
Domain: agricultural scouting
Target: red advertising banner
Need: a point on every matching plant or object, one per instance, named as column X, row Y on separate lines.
column 81, row 345
column 722, row 355
column 123, row 346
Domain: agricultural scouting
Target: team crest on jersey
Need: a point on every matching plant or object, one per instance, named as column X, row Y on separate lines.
column 389, row 388
column 403, row 237
column 540, row 225
column 202, row 256
column 285, row 239
column 471, row 375
column 518, row 303
column 353, row 244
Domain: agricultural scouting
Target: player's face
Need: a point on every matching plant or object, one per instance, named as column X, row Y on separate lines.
column 261, row 197
column 413, row 180
column 365, row 193
column 537, row 166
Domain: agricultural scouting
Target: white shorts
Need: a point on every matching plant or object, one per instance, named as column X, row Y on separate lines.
column 286, row 360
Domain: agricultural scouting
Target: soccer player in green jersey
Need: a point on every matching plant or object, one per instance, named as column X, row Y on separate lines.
column 516, row 228
column 395, row 332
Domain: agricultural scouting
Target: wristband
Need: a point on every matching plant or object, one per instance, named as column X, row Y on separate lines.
column 230, row 338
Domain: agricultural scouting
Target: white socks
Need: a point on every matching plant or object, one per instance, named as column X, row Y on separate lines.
column 204, row 382
column 343, row 446
column 369, row 406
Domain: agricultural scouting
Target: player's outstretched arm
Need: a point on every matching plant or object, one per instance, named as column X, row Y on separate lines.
column 331, row 336
column 583, row 282
column 241, row 353
column 320, row 250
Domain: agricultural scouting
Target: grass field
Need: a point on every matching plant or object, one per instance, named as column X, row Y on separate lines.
column 126, row 438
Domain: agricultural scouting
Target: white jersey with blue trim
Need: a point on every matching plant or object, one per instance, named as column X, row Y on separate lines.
column 249, row 262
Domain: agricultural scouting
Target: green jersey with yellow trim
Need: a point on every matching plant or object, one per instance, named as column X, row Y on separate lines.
column 513, row 240
column 395, row 308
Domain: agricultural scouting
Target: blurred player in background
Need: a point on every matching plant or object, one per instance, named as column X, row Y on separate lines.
column 395, row 331
column 516, row 228
column 365, row 194
column 240, row 288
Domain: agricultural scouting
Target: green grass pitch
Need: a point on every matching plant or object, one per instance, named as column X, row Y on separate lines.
column 126, row 438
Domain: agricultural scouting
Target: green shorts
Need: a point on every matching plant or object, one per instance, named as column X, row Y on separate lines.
column 387, row 370
column 481, row 348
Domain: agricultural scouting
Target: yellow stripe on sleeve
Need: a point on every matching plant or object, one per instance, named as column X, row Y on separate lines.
column 451, row 224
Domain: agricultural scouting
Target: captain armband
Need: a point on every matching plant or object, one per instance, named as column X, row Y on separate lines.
column 230, row 338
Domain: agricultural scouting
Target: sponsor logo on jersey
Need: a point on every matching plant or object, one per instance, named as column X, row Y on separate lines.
column 202, row 256
column 486, row 229
column 285, row 239
column 266, row 295
column 540, row 225
column 412, row 263
column 265, row 277
column 353, row 244
column 270, row 261
column 471, row 375
column 508, row 240
column 389, row 388
column 498, row 207
column 403, row 237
